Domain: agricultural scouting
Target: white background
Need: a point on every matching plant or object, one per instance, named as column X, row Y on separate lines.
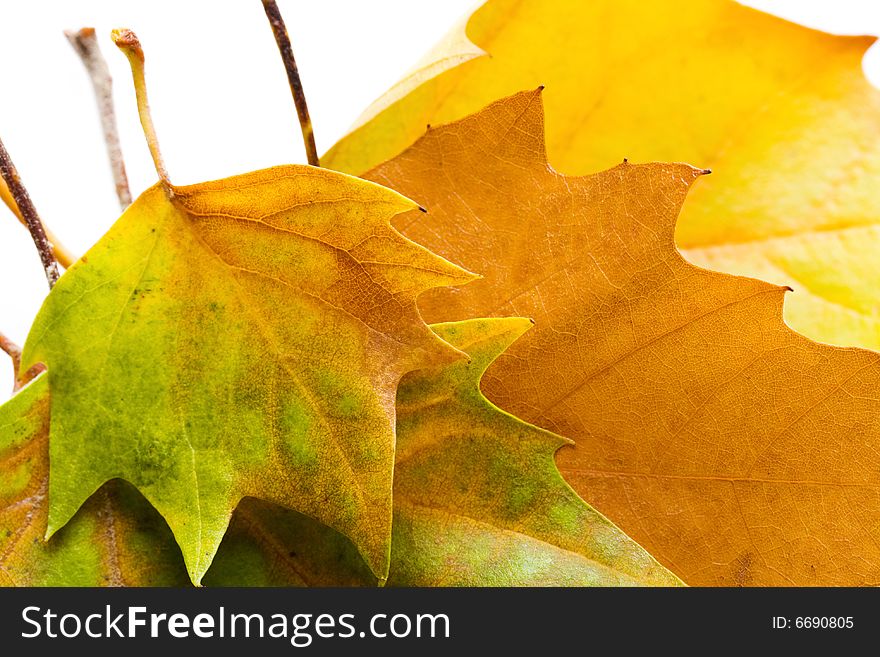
column 219, row 95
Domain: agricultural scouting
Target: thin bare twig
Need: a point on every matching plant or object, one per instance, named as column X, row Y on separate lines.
column 85, row 43
column 29, row 214
column 299, row 97
column 128, row 43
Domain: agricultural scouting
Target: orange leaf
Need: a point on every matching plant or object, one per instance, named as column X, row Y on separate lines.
column 733, row 449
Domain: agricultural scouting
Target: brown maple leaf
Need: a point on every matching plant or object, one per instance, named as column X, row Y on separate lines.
column 735, row 450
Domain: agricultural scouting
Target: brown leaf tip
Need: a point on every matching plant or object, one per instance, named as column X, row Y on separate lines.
column 126, row 39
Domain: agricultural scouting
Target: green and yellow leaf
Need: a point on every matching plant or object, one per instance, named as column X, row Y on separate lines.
column 243, row 337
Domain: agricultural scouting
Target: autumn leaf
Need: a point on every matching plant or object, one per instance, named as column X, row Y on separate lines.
column 243, row 337
column 781, row 113
column 478, row 500
column 733, row 449
column 116, row 538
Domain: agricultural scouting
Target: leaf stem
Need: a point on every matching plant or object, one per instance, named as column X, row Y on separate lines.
column 128, row 43
column 296, row 89
column 29, row 214
column 64, row 257
column 85, row 44
column 14, row 352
